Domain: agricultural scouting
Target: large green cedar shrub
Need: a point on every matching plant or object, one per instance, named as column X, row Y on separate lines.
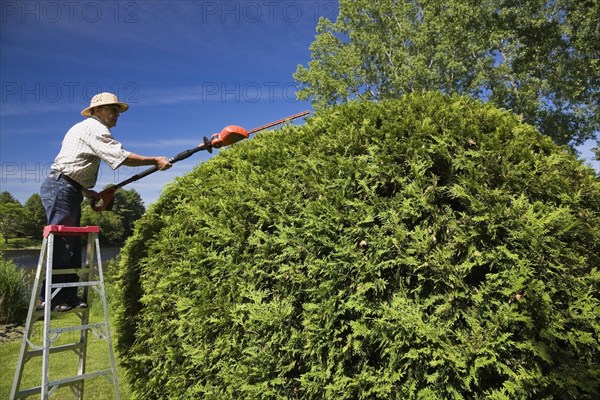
column 429, row 247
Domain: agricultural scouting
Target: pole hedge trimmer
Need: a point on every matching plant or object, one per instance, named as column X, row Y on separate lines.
column 228, row 136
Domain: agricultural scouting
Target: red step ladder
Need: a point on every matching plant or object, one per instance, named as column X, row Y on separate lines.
column 30, row 350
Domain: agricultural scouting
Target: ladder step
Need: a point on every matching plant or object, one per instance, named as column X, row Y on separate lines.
column 65, row 271
column 39, row 314
column 62, row 382
column 56, row 349
column 62, row 230
column 75, row 284
column 98, row 325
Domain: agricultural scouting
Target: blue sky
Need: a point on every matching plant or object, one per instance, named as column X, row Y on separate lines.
column 186, row 68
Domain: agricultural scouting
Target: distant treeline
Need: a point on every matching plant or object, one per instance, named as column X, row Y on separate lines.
column 28, row 220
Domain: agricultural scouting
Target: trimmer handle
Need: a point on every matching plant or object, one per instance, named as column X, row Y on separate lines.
column 105, row 199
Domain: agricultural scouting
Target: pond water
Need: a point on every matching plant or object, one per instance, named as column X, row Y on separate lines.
column 28, row 259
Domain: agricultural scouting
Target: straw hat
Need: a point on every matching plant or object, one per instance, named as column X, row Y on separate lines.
column 103, row 99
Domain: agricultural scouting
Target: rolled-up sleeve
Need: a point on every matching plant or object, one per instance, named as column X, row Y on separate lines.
column 108, row 149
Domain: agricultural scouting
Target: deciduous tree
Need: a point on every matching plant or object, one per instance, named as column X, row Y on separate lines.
column 130, row 207
column 538, row 58
column 116, row 225
column 11, row 216
column 111, row 225
column 34, row 217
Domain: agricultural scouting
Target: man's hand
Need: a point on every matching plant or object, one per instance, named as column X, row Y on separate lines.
column 89, row 193
column 163, row 163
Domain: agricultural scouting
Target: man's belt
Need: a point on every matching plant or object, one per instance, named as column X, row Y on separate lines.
column 73, row 182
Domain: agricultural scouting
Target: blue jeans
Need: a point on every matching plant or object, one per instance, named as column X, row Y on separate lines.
column 62, row 202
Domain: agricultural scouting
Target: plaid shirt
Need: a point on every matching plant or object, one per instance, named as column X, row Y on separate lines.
column 84, row 145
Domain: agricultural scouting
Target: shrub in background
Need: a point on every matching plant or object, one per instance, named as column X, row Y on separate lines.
column 426, row 247
column 14, row 293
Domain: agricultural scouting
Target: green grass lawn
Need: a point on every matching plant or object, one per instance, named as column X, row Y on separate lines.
column 63, row 364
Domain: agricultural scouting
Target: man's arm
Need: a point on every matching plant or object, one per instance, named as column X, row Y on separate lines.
column 136, row 160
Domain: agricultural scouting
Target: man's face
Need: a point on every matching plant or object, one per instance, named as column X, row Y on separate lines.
column 108, row 114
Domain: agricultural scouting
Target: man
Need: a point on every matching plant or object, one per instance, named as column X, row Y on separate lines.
column 74, row 174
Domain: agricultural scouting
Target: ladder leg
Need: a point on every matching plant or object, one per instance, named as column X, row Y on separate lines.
column 47, row 317
column 84, row 316
column 111, row 352
column 39, row 275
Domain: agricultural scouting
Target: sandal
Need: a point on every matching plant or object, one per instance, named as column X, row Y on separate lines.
column 62, row 307
column 81, row 304
column 77, row 303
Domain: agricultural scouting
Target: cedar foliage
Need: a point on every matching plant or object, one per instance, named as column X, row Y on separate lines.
column 426, row 247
